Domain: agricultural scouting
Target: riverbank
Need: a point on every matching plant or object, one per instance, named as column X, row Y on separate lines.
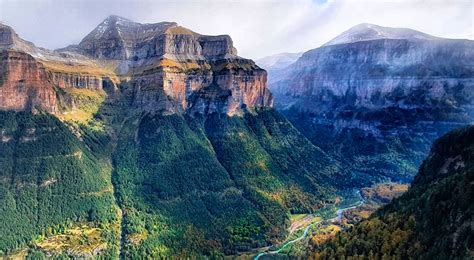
column 353, row 207
column 338, row 212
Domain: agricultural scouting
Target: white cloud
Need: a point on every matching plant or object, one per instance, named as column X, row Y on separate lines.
column 258, row 28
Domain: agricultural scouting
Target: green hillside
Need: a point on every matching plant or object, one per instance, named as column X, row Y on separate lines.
column 433, row 220
column 49, row 179
column 215, row 185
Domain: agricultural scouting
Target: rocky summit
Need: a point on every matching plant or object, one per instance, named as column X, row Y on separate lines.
column 159, row 67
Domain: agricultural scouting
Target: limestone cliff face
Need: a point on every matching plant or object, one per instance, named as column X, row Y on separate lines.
column 405, row 70
column 76, row 80
column 121, row 39
column 208, row 88
column 232, row 91
column 24, row 84
column 173, row 69
column 30, row 76
column 161, row 67
column 377, row 97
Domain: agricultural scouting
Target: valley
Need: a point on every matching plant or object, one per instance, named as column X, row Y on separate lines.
column 317, row 228
column 150, row 140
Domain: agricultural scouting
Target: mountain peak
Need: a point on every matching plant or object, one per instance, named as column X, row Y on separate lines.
column 368, row 32
column 116, row 18
column 7, row 35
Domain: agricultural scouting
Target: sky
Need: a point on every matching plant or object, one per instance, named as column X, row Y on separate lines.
column 258, row 27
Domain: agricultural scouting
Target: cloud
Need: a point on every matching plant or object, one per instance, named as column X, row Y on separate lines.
column 258, row 28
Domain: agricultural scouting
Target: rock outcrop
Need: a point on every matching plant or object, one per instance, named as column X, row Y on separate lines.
column 30, row 76
column 121, row 39
column 24, row 84
column 161, row 67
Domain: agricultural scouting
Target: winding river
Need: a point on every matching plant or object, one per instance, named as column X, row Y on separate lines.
column 338, row 217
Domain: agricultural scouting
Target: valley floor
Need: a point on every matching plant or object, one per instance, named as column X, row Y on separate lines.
column 307, row 229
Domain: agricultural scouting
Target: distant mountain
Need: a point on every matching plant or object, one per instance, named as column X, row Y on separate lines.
column 377, row 96
column 370, row 32
column 147, row 141
column 278, row 61
column 433, row 220
column 276, row 66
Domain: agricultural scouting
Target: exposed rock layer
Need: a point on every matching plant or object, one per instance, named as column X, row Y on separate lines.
column 382, row 94
column 24, row 83
column 161, row 67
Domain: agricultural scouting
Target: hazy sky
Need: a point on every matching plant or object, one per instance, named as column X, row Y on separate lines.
column 258, row 28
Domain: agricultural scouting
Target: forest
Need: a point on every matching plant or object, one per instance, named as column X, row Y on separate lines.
column 431, row 221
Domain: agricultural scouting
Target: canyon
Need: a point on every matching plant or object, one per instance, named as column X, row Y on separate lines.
column 154, row 141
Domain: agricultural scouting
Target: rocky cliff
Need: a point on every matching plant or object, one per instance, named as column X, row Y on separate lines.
column 397, row 89
column 390, row 67
column 30, row 76
column 159, row 67
column 24, row 84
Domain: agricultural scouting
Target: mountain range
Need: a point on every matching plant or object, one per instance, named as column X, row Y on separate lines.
column 154, row 141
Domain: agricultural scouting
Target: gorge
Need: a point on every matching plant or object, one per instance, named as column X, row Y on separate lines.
column 154, row 141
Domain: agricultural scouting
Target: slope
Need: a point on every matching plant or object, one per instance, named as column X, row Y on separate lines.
column 433, row 220
column 217, row 184
column 49, row 179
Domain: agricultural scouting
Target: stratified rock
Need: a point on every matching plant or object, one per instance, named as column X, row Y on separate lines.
column 375, row 67
column 161, row 67
column 24, row 84
column 381, row 94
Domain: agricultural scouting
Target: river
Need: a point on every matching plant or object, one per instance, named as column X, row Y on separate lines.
column 338, row 217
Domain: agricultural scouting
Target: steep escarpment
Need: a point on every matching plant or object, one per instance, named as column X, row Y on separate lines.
column 159, row 67
column 121, row 39
column 173, row 69
column 396, row 89
column 433, row 220
column 24, row 83
column 30, row 76
column 203, row 87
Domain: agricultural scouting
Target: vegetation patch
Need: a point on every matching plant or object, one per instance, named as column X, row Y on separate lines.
column 80, row 105
column 82, row 240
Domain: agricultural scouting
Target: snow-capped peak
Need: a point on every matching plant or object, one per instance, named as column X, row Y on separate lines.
column 367, row 32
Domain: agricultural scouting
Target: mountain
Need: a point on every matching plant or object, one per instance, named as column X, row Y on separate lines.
column 278, row 61
column 433, row 220
column 143, row 56
column 377, row 96
column 276, row 66
column 147, row 140
column 370, row 32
